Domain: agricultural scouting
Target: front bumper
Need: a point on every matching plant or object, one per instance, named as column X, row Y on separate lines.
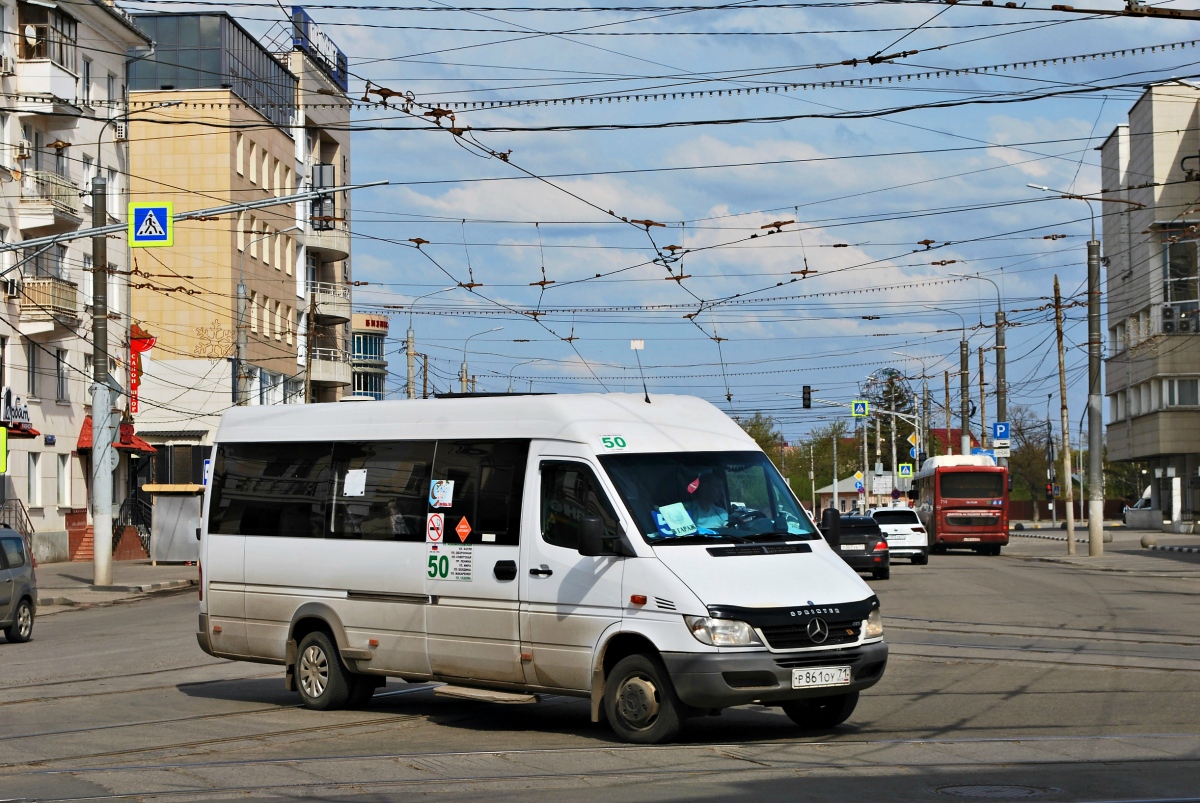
column 867, row 561
column 721, row 680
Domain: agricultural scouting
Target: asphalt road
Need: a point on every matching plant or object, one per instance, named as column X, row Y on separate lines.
column 1010, row 678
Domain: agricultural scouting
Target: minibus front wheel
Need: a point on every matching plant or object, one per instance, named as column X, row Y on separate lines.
column 640, row 701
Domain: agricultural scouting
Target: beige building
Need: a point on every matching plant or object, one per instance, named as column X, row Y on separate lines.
column 240, row 130
column 62, row 104
column 1152, row 368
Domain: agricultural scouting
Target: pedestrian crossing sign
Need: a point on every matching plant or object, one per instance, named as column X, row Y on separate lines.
column 906, row 469
column 150, row 225
column 859, row 408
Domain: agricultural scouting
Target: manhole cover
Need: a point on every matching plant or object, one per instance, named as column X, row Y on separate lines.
column 997, row 791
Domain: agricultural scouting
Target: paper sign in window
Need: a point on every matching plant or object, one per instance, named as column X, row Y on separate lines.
column 355, row 483
column 677, row 518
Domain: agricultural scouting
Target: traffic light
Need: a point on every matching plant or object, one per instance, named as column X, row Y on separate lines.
column 1049, row 492
column 806, row 396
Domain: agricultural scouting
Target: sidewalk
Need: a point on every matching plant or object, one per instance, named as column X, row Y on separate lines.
column 65, row 585
column 1124, row 553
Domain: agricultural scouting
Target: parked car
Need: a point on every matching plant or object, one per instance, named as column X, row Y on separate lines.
column 906, row 536
column 18, row 587
column 1141, row 504
column 864, row 547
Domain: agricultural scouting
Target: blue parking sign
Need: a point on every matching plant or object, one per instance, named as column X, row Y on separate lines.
column 1000, row 430
column 151, row 225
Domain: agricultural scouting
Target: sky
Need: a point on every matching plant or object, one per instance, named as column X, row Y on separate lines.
column 881, row 192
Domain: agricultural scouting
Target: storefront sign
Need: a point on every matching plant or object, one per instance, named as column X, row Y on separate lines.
column 306, row 36
column 14, row 412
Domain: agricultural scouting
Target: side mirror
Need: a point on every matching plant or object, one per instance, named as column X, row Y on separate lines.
column 1010, row 482
column 831, row 528
column 592, row 541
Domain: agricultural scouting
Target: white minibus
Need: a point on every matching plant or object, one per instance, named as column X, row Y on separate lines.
column 646, row 556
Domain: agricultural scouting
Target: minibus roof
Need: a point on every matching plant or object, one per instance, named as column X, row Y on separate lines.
column 667, row 424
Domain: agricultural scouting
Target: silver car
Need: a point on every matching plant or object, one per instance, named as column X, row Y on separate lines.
column 18, row 587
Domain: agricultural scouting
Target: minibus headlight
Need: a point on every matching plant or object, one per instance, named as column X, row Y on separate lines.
column 874, row 624
column 721, row 632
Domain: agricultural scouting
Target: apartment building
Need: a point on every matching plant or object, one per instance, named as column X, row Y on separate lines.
column 369, row 355
column 62, row 106
column 1152, row 367
column 220, row 118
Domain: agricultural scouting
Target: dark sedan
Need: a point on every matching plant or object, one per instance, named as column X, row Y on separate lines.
column 864, row 547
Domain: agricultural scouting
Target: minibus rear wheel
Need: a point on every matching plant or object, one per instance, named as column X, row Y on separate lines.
column 640, row 701
column 821, row 713
column 324, row 684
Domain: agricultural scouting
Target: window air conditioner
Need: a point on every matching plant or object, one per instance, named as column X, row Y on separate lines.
column 6, row 65
column 121, row 132
column 12, row 287
column 24, row 149
column 1168, row 319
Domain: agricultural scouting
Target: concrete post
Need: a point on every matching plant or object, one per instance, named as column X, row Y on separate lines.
column 1095, row 414
column 102, row 430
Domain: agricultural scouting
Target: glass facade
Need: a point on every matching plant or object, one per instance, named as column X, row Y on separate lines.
column 366, row 384
column 209, row 51
column 368, row 347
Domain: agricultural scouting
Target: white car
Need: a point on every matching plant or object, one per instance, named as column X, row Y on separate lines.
column 905, row 534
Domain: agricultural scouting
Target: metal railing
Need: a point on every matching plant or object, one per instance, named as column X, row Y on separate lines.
column 331, row 355
column 14, row 516
column 330, row 288
column 43, row 185
column 46, row 297
column 137, row 513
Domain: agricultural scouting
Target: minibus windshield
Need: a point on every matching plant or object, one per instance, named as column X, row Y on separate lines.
column 686, row 497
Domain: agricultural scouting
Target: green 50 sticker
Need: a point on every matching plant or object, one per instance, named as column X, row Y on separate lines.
column 439, row 567
column 614, row 442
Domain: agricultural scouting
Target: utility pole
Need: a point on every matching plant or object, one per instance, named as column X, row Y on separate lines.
column 866, row 456
column 424, row 376
column 102, row 402
column 964, row 386
column 982, row 403
column 1001, row 374
column 812, row 476
column 310, row 339
column 949, row 446
column 837, row 431
column 1066, row 421
column 1095, row 418
column 895, row 480
column 926, row 438
column 411, row 353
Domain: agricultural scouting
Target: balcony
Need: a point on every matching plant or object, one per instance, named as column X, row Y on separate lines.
column 44, row 78
column 328, row 244
column 330, row 367
column 48, row 300
column 49, row 201
column 331, row 302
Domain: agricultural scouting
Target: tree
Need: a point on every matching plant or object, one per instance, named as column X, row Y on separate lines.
column 1027, row 462
column 820, row 441
column 767, row 434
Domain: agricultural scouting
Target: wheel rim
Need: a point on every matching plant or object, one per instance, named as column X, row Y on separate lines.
column 24, row 621
column 638, row 701
column 314, row 671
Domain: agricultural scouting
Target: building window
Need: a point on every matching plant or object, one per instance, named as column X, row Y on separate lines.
column 367, row 384
column 85, row 82
column 114, row 195
column 252, row 245
column 278, row 320
column 368, row 347
column 253, row 162
column 1182, row 392
column 266, row 177
column 64, row 480
column 1179, row 273
column 111, row 94
column 266, row 245
column 61, row 369
column 31, row 368
column 47, row 33
column 241, row 157
column 291, row 326
column 35, row 479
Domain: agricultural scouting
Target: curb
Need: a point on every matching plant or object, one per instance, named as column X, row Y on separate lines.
column 1062, row 538
column 143, row 589
column 1189, row 549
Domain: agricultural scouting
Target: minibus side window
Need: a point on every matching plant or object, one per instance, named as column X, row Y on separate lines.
column 381, row 490
column 571, row 491
column 488, row 477
column 271, row 489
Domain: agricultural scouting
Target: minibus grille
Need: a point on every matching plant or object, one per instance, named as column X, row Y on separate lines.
column 795, row 637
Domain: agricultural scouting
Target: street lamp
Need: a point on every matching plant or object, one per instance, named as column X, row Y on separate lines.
column 462, row 373
column 964, row 373
column 515, row 367
column 1001, row 352
column 411, row 342
column 1095, row 472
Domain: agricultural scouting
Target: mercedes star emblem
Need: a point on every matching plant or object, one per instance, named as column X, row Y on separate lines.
column 818, row 631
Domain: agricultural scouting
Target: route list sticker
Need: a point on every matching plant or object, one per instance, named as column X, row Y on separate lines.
column 455, row 563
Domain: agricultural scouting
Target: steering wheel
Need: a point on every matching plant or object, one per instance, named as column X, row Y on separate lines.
column 745, row 516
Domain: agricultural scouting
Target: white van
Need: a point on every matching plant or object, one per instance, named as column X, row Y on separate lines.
column 646, row 556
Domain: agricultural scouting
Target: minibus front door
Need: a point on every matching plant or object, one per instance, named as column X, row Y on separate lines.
column 568, row 600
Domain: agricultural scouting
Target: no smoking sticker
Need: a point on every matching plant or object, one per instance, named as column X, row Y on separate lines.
column 435, row 528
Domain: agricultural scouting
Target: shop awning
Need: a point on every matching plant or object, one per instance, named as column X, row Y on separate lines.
column 15, row 432
column 128, row 441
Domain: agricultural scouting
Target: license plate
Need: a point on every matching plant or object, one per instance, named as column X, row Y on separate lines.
column 853, row 547
column 970, row 539
column 820, row 676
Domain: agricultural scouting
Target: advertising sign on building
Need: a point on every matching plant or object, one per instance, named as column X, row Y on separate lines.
column 14, row 412
column 306, row 36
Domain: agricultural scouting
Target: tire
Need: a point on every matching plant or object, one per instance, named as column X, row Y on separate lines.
column 361, row 692
column 921, row 560
column 821, row 713
column 939, row 549
column 640, row 701
column 21, row 630
column 882, row 574
column 324, row 684
column 994, row 550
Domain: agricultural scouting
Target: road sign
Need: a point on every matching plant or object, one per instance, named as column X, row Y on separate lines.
column 860, row 408
column 1001, row 443
column 906, row 469
column 858, row 486
column 914, row 440
column 150, row 225
column 1002, row 452
column 1057, row 491
column 858, row 475
column 1000, row 430
column 913, row 453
